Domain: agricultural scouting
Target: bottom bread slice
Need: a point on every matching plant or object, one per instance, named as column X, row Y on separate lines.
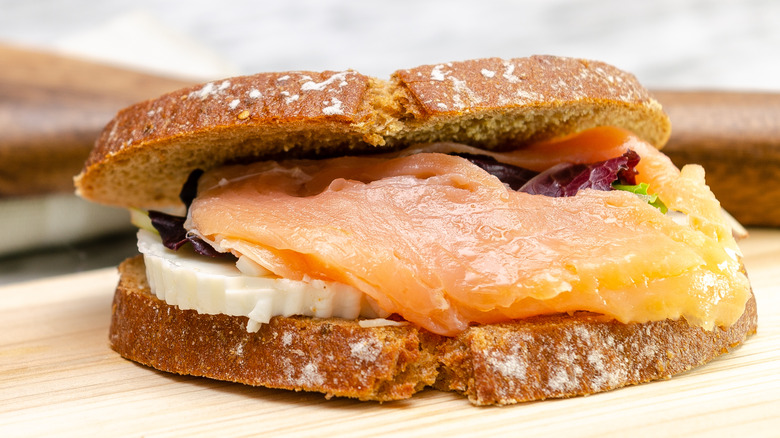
column 532, row 359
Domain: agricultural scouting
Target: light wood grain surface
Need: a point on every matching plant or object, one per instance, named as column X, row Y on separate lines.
column 59, row 377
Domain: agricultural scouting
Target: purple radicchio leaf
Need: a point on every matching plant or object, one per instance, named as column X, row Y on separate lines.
column 567, row 179
column 201, row 247
column 513, row 176
column 174, row 235
column 171, row 228
column 190, row 188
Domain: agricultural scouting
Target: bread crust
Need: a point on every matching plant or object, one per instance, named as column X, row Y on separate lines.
column 332, row 355
column 145, row 154
column 538, row 358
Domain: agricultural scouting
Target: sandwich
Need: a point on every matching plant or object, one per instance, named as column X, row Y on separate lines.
column 503, row 229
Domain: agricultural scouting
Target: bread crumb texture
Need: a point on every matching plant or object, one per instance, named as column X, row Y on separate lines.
column 146, row 152
column 537, row 358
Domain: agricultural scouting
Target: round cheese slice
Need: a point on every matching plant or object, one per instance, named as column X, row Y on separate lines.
column 191, row 281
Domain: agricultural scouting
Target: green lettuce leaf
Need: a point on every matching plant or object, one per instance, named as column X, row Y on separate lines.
column 641, row 191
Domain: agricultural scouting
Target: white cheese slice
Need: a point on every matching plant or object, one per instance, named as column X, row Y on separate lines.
column 213, row 286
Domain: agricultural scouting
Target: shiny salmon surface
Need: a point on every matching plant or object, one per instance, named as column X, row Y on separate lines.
column 444, row 244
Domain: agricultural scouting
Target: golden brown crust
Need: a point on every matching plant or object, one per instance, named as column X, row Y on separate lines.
column 144, row 155
column 144, row 152
column 543, row 357
column 560, row 356
column 499, row 103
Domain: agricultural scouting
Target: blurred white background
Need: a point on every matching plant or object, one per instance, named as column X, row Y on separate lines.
column 666, row 43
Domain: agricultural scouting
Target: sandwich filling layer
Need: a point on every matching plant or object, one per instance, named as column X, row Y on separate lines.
column 444, row 244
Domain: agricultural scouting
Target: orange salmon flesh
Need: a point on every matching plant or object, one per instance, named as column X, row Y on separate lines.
column 442, row 243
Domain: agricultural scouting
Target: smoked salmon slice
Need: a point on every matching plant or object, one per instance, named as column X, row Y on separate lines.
column 436, row 239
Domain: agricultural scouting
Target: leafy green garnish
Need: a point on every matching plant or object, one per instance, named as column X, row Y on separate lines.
column 641, row 191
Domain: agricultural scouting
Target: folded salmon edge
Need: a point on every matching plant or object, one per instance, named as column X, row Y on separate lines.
column 542, row 357
column 146, row 152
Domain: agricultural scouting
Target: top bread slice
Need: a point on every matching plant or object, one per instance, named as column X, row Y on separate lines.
column 146, row 152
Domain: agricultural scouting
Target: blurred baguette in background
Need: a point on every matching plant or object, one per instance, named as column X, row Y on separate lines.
column 735, row 136
column 52, row 108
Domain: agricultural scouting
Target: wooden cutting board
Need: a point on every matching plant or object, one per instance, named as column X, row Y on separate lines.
column 59, row 377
